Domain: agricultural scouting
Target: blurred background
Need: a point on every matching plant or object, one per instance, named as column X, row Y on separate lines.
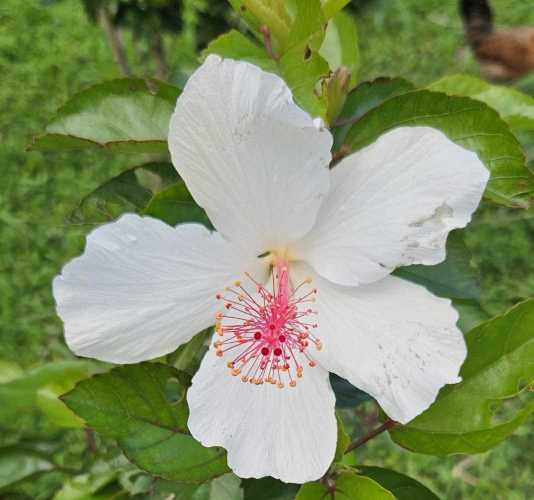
column 50, row 49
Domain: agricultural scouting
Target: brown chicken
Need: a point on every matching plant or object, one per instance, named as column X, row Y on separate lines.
column 503, row 54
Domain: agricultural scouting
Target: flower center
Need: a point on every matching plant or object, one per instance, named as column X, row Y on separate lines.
column 269, row 332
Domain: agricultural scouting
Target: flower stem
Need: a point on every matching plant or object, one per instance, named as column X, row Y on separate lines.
column 388, row 424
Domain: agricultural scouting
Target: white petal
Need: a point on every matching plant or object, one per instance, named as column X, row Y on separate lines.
column 142, row 288
column 289, row 433
column 256, row 162
column 393, row 204
column 392, row 339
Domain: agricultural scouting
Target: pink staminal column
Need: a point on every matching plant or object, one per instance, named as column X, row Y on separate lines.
column 269, row 333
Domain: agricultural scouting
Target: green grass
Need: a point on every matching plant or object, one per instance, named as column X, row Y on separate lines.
column 47, row 53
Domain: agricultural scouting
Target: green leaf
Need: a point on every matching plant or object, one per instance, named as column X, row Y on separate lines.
column 471, row 314
column 9, row 371
column 491, row 401
column 470, row 123
column 227, row 487
column 175, row 205
column 268, row 488
column 19, row 396
column 347, row 396
column 348, row 486
column 340, row 45
column 128, row 114
column 308, row 26
column 270, row 13
column 454, row 278
column 89, row 486
column 48, row 401
column 332, row 7
column 364, row 97
column 129, row 404
column 235, row 45
column 515, row 107
column 343, row 439
column 130, row 191
column 403, row 487
column 302, row 69
column 17, row 464
column 187, row 357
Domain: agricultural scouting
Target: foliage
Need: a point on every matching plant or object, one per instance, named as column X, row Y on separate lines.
column 46, row 454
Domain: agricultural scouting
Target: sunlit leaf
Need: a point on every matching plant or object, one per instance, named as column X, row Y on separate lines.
column 235, row 45
column 491, row 401
column 128, row 114
column 515, row 107
column 129, row 404
column 332, row 7
column 340, row 45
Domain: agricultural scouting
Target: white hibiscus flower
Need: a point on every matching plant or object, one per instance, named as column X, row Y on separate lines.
column 296, row 279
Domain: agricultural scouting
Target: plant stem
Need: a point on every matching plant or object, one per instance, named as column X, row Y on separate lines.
column 388, row 424
column 114, row 40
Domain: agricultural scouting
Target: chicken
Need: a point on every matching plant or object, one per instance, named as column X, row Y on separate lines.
column 503, row 54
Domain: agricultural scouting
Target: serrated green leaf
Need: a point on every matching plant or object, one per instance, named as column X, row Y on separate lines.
column 364, row 97
column 129, row 404
column 515, row 107
column 130, row 191
column 343, row 439
column 348, row 486
column 491, row 401
column 340, row 45
column 454, row 278
column 235, row 45
column 16, row 465
column 470, row 123
column 128, row 114
column 403, row 487
column 175, row 205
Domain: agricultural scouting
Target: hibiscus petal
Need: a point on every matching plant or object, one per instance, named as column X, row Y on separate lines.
column 289, row 433
column 255, row 161
column 393, row 204
column 392, row 339
column 142, row 288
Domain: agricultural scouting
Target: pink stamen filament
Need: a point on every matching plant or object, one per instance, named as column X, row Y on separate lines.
column 270, row 330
